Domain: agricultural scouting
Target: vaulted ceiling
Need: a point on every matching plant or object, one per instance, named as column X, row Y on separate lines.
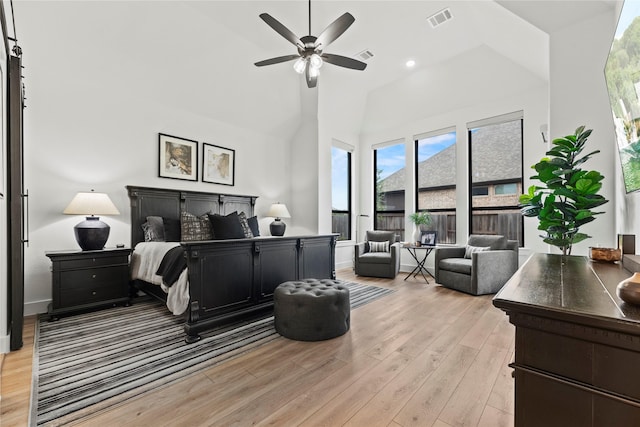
column 199, row 56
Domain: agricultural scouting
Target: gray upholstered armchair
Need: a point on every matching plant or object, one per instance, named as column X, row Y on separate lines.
column 378, row 264
column 483, row 266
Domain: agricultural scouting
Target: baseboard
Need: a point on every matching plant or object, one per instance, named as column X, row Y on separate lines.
column 36, row 307
column 344, row 264
column 5, row 343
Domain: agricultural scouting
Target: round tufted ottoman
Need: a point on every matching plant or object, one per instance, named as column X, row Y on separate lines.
column 311, row 309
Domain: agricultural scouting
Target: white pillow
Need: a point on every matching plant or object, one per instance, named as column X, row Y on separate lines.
column 379, row 246
column 472, row 249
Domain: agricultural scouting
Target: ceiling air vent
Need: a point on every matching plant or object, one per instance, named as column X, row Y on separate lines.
column 365, row 55
column 440, row 18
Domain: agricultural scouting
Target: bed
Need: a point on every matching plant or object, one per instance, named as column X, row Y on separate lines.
column 232, row 279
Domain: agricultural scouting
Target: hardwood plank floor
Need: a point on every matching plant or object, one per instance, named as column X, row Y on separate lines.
column 15, row 385
column 422, row 356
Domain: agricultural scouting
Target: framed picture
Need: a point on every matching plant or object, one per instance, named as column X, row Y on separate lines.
column 428, row 238
column 178, row 158
column 218, row 164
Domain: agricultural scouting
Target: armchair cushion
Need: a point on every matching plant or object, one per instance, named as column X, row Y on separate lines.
column 457, row 265
column 376, row 258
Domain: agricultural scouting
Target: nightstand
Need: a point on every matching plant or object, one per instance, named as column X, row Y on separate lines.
column 83, row 280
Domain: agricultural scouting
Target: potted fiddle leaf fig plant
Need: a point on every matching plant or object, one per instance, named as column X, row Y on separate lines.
column 564, row 201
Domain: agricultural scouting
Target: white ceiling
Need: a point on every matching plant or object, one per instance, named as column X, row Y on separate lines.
column 199, row 55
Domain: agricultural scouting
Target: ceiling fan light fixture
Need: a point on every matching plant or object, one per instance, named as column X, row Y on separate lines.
column 300, row 65
column 315, row 61
column 313, row 71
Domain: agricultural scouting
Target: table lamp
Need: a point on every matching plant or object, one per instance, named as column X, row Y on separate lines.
column 278, row 210
column 92, row 233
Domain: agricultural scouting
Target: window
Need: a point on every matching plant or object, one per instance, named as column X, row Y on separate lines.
column 495, row 171
column 436, row 181
column 480, row 191
column 506, row 189
column 389, row 178
column 341, row 193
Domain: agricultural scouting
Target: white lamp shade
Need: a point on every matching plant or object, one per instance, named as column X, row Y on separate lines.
column 278, row 210
column 91, row 203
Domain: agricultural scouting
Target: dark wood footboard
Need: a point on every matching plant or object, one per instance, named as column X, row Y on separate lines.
column 234, row 279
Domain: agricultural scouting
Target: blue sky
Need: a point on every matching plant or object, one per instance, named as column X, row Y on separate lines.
column 339, row 179
column 427, row 147
column 630, row 11
column 391, row 159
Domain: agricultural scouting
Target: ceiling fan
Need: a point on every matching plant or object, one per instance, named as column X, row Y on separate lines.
column 311, row 53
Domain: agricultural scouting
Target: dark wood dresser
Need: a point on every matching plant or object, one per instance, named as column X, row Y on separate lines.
column 577, row 358
column 83, row 280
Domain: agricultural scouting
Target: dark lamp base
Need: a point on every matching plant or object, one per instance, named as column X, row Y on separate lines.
column 92, row 234
column 277, row 227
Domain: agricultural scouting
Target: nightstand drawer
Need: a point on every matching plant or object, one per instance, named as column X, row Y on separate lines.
column 92, row 277
column 88, row 295
column 95, row 261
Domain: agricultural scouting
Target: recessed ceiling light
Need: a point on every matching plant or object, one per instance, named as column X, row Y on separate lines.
column 410, row 63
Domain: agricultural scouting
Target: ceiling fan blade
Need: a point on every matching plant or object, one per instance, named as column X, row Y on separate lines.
column 343, row 61
column 276, row 60
column 281, row 29
column 312, row 79
column 335, row 30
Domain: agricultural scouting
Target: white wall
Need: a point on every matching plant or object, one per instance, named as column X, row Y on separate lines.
column 340, row 118
column 579, row 97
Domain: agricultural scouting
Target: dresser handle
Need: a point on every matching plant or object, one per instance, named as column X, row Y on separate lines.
column 93, row 277
column 93, row 293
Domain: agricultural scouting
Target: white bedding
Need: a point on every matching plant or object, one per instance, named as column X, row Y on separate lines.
column 145, row 260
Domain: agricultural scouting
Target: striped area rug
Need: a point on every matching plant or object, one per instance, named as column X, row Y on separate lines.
column 92, row 361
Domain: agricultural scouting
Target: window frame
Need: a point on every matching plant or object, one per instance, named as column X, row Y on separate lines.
column 349, row 210
column 376, row 212
column 416, row 139
column 511, row 117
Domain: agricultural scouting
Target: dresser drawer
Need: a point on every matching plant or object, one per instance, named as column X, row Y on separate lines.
column 90, row 262
column 590, row 363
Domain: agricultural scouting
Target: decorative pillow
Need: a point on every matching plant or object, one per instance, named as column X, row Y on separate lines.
column 149, row 234
column 379, row 246
column 471, row 249
column 253, row 224
column 153, row 229
column 195, row 227
column 245, row 225
column 171, row 229
column 226, row 227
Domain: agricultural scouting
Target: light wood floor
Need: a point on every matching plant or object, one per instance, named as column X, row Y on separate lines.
column 422, row 356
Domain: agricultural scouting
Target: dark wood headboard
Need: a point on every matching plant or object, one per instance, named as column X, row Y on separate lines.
column 169, row 203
